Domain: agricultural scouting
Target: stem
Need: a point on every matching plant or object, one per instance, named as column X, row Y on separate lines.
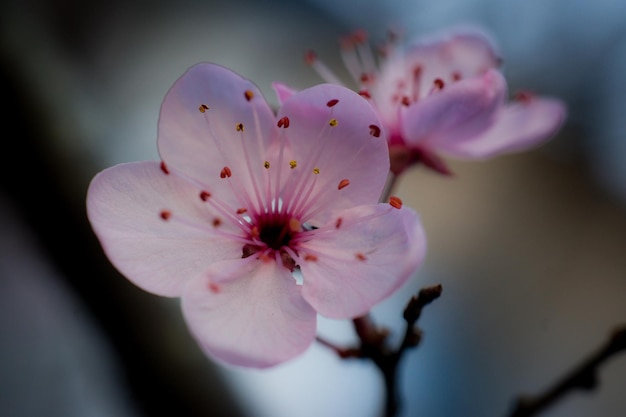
column 583, row 376
column 373, row 345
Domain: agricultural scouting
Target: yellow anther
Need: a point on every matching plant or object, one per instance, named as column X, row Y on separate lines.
column 333, row 122
column 248, row 94
column 293, row 164
column 266, row 164
column 240, row 127
column 203, row 108
column 316, row 171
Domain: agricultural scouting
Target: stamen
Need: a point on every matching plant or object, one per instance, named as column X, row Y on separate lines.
column 254, row 232
column 333, row 122
column 405, row 101
column 338, row 222
column 248, row 94
column 374, row 131
column 439, row 84
column 316, row 171
column 332, row 102
column 365, row 94
column 214, row 288
column 295, row 225
column 164, row 168
column 360, row 256
column 293, row 164
column 239, row 127
column 310, row 257
column 456, row 76
column 266, row 164
column 242, row 210
column 310, row 58
column 225, row 172
column 217, row 222
column 395, row 202
column 343, row 184
column 283, row 122
column 203, row 108
column 524, row 96
column 165, row 214
column 204, row 195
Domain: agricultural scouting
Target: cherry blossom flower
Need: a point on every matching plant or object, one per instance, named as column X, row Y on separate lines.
column 443, row 96
column 257, row 221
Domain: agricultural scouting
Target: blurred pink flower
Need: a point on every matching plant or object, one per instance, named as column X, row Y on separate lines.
column 259, row 221
column 444, row 96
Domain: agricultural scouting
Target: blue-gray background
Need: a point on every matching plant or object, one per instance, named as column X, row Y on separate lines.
column 530, row 248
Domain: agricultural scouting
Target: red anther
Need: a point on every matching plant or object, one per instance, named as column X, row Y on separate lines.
column 338, row 222
column 375, row 131
column 360, row 256
column 524, row 96
column 405, row 101
column 456, row 76
column 359, row 36
column 165, row 214
column 309, row 257
column 366, row 78
column 248, row 95
column 395, row 202
column 204, row 195
column 343, row 184
column 283, row 122
column 242, row 210
column 332, row 102
column 439, row 83
column 225, row 172
column 164, row 168
column 214, row 288
column 217, row 222
column 310, row 57
column 365, row 93
column 254, row 232
column 265, row 258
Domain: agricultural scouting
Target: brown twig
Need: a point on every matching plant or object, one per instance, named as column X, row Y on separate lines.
column 582, row 377
column 374, row 346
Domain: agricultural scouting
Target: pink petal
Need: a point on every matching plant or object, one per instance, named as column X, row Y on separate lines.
column 449, row 56
column 518, row 127
column 249, row 312
column 350, row 268
column 213, row 118
column 283, row 92
column 125, row 205
column 334, row 135
column 459, row 111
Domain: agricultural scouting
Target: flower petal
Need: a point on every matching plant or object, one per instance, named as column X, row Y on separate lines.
column 249, row 312
column 126, row 205
column 213, row 118
column 518, row 127
column 460, row 111
column 283, row 91
column 356, row 262
column 452, row 55
column 334, row 135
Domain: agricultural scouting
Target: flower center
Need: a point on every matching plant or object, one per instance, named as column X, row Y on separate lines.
column 275, row 233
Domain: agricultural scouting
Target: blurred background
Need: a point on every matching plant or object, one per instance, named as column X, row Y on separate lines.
column 530, row 248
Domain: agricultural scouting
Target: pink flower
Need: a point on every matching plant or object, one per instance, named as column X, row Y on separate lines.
column 444, row 96
column 258, row 221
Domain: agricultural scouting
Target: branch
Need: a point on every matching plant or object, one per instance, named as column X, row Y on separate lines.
column 374, row 346
column 583, row 377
